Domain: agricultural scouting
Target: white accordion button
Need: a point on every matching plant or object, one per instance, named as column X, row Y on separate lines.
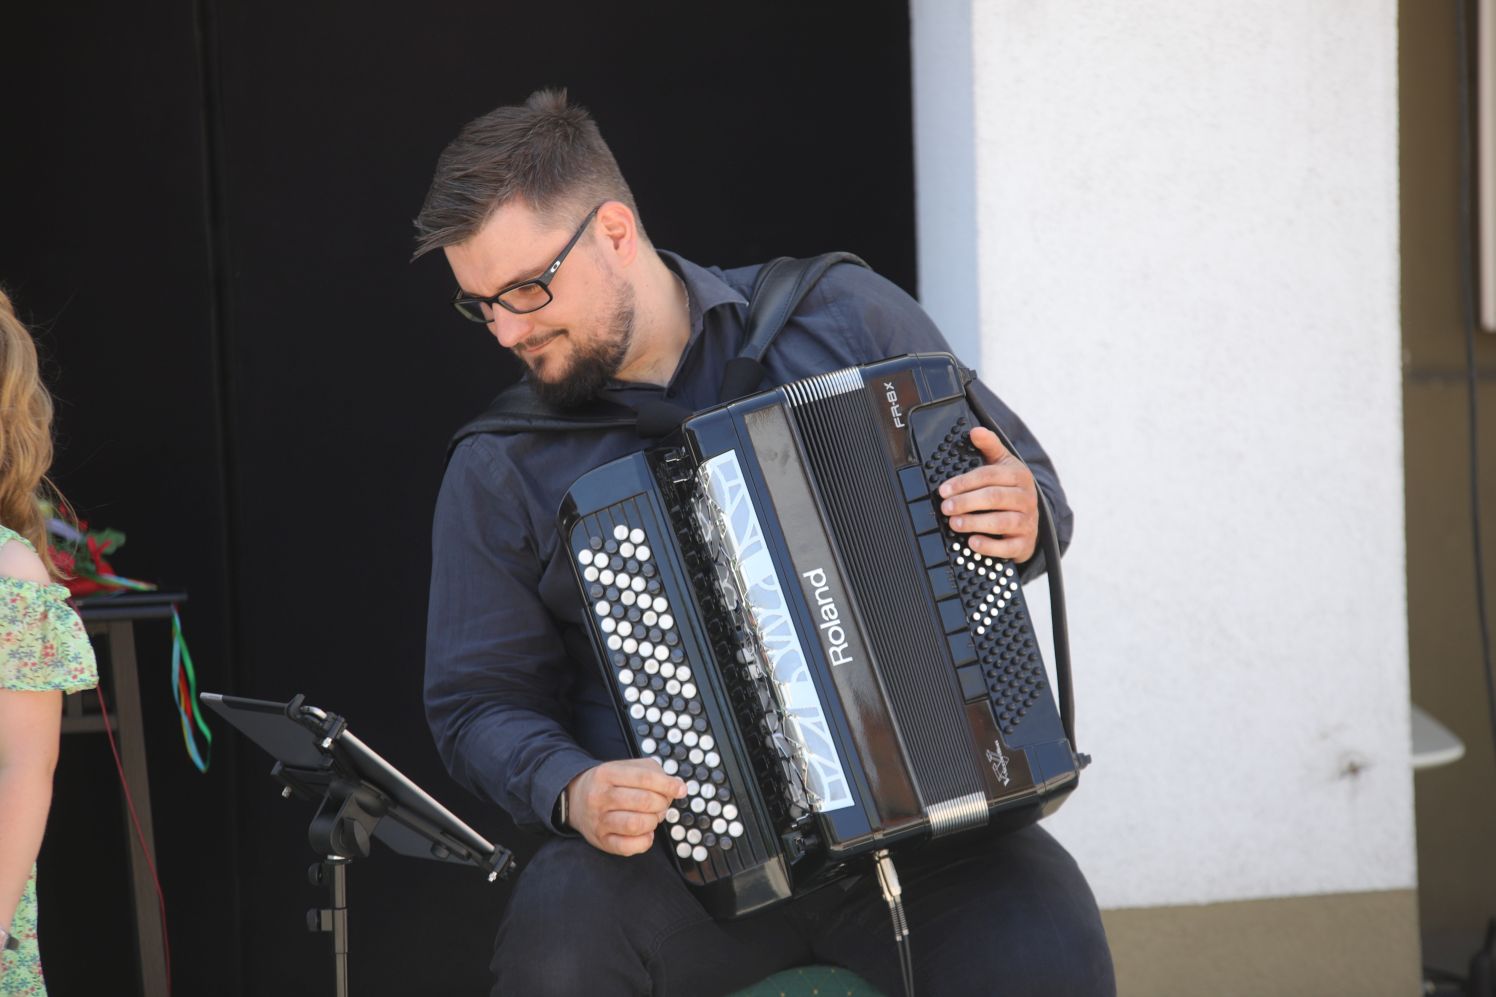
column 620, row 532
column 626, row 549
column 661, row 652
column 677, row 832
column 699, row 853
column 637, row 535
column 648, row 745
column 708, row 743
column 642, row 553
column 650, row 617
column 683, row 850
column 719, row 825
column 646, row 649
column 602, row 608
column 671, row 767
column 652, row 667
column 672, row 687
column 609, row 624
column 696, row 755
column 697, row 804
column 590, row 573
column 693, row 787
column 708, row 791
column 628, row 597
column 683, row 673
column 735, row 829
column 630, row 646
column 667, row 718
column 693, row 836
column 683, row 721
column 585, row 555
column 606, row 577
column 730, row 811
column 614, row 642
column 714, row 809
column 636, row 711
column 712, row 758
column 667, row 622
column 688, row 689
column 624, row 628
column 673, row 735
column 690, row 736
column 637, row 584
column 652, row 714
column 631, row 694
column 672, row 815
column 622, row 579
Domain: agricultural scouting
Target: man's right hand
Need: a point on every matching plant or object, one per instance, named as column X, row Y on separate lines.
column 616, row 806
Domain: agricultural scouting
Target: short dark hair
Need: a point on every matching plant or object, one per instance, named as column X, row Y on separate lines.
column 546, row 153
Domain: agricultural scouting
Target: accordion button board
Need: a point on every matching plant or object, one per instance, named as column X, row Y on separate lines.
column 789, row 624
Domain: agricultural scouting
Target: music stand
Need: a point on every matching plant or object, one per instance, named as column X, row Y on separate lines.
column 359, row 797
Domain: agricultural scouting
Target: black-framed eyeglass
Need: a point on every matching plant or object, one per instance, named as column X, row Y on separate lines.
column 524, row 296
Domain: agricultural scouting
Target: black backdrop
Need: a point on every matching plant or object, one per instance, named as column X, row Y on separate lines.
column 204, row 214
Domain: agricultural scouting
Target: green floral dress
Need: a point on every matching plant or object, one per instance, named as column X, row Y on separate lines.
column 42, row 646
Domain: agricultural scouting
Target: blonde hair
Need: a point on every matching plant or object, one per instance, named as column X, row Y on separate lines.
column 25, row 433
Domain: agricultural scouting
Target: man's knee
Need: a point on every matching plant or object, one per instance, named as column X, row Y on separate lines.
column 576, row 910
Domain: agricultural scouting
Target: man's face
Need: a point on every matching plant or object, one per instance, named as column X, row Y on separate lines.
column 574, row 344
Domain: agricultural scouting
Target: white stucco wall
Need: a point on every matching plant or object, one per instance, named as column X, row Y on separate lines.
column 1184, row 238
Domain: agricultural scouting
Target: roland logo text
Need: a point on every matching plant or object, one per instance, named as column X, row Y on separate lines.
column 833, row 633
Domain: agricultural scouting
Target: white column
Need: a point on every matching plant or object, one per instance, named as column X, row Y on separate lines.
column 1182, row 221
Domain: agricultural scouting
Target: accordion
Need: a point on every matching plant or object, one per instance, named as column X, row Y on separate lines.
column 788, row 624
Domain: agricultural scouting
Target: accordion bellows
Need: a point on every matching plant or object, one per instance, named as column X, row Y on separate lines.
column 788, row 624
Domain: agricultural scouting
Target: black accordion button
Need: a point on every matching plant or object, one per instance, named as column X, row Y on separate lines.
column 913, row 481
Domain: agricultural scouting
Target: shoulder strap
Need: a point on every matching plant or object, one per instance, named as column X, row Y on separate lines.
column 779, row 288
column 777, row 291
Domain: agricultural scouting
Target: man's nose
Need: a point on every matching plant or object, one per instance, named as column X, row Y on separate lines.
column 507, row 327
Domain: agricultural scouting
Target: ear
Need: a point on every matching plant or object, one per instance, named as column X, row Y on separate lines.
column 618, row 226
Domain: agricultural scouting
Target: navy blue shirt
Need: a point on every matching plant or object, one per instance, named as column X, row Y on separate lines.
column 513, row 693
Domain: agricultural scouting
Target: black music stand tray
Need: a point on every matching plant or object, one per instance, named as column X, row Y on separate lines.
column 359, row 796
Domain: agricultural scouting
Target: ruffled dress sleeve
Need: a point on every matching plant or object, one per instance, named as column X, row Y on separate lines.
column 43, row 645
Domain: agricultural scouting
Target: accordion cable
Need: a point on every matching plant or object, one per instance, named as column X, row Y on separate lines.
column 1468, row 316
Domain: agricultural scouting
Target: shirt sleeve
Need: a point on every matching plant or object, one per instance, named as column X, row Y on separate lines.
column 43, row 645
column 497, row 675
column 875, row 313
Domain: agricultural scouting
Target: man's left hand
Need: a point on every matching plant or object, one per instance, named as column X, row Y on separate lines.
column 996, row 505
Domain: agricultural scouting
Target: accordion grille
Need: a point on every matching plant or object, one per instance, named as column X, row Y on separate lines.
column 872, row 536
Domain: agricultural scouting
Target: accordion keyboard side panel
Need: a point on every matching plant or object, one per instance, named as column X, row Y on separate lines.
column 653, row 648
column 995, row 648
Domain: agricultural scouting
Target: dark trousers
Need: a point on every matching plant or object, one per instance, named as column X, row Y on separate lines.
column 1005, row 916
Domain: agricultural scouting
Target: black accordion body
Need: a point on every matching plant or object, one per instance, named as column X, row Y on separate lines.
column 788, row 624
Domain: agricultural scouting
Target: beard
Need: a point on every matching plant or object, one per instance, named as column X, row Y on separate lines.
column 591, row 366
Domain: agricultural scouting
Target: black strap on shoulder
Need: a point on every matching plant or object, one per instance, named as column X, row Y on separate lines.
column 777, row 291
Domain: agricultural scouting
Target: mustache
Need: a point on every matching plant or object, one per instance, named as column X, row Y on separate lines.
column 534, row 342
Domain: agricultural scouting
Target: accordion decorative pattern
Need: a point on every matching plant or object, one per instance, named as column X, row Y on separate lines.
column 747, row 579
column 665, row 711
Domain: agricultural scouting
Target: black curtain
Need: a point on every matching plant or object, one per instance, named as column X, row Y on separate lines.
column 206, row 222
